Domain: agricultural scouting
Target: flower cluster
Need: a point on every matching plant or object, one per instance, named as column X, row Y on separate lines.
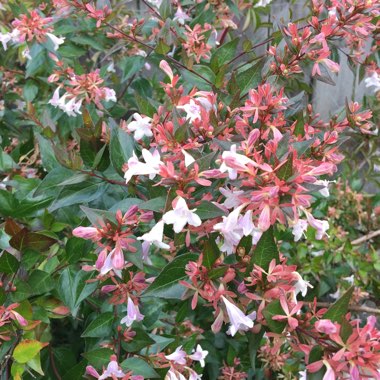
column 113, row 238
column 28, row 28
column 86, row 88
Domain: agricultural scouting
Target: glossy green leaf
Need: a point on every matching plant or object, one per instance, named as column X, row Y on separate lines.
column 166, row 284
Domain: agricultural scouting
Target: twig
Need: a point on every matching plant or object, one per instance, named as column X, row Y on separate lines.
column 362, row 309
column 364, row 238
column 113, row 181
column 151, row 48
column 56, row 373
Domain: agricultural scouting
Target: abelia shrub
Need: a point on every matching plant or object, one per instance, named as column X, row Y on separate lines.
column 172, row 205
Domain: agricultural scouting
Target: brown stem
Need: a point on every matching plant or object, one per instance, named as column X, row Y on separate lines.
column 152, row 48
column 56, row 373
column 364, row 238
column 113, row 181
column 358, row 308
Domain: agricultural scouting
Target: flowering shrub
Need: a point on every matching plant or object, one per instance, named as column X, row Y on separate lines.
column 165, row 192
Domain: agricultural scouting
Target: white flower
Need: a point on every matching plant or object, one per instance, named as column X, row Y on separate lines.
column 4, row 39
column 199, row 355
column 188, row 158
column 172, row 374
column 113, row 370
column 230, row 229
column 180, row 16
column 262, row 3
column 111, row 68
column 55, row 100
column 193, row 375
column 299, row 228
column 302, row 375
column 142, row 126
column 133, row 314
column 178, row 356
column 234, row 227
column 193, row 110
column 151, row 166
column 56, row 40
column 325, row 190
column 110, row 95
column 320, row 225
column 26, row 53
column 72, row 107
column 373, row 81
column 349, row 279
column 154, row 236
column 232, row 162
column 181, row 215
column 301, row 285
column 239, row 321
column 232, row 197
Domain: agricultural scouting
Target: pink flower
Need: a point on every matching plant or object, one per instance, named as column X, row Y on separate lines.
column 325, row 326
column 199, row 355
column 178, row 356
column 239, row 321
column 133, row 314
column 113, row 371
column 89, row 233
column 292, row 322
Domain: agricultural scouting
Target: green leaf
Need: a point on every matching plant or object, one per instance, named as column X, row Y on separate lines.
column 250, row 78
column 140, row 341
column 339, row 309
column 265, row 251
column 210, row 251
column 99, row 357
column 40, row 282
column 130, row 66
column 73, row 288
column 286, row 170
column 139, row 367
column 121, row 148
column 49, row 162
column 207, row 210
column 145, row 106
column 166, row 284
column 8, row 263
column 155, row 204
column 81, row 193
column 254, row 341
column 30, row 90
column 33, row 240
column 75, row 249
column 8, row 203
column 100, row 327
column 223, row 54
column 28, row 208
column 27, row 350
column 302, row 146
column 35, row 364
column 272, row 309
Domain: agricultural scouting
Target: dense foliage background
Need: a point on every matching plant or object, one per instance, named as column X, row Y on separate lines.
column 165, row 191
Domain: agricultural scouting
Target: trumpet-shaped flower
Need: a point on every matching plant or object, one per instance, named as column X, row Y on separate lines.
column 141, row 126
column 199, row 355
column 56, row 40
column 178, row 356
column 239, row 321
column 181, row 215
column 151, row 166
column 133, row 314
column 155, row 237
